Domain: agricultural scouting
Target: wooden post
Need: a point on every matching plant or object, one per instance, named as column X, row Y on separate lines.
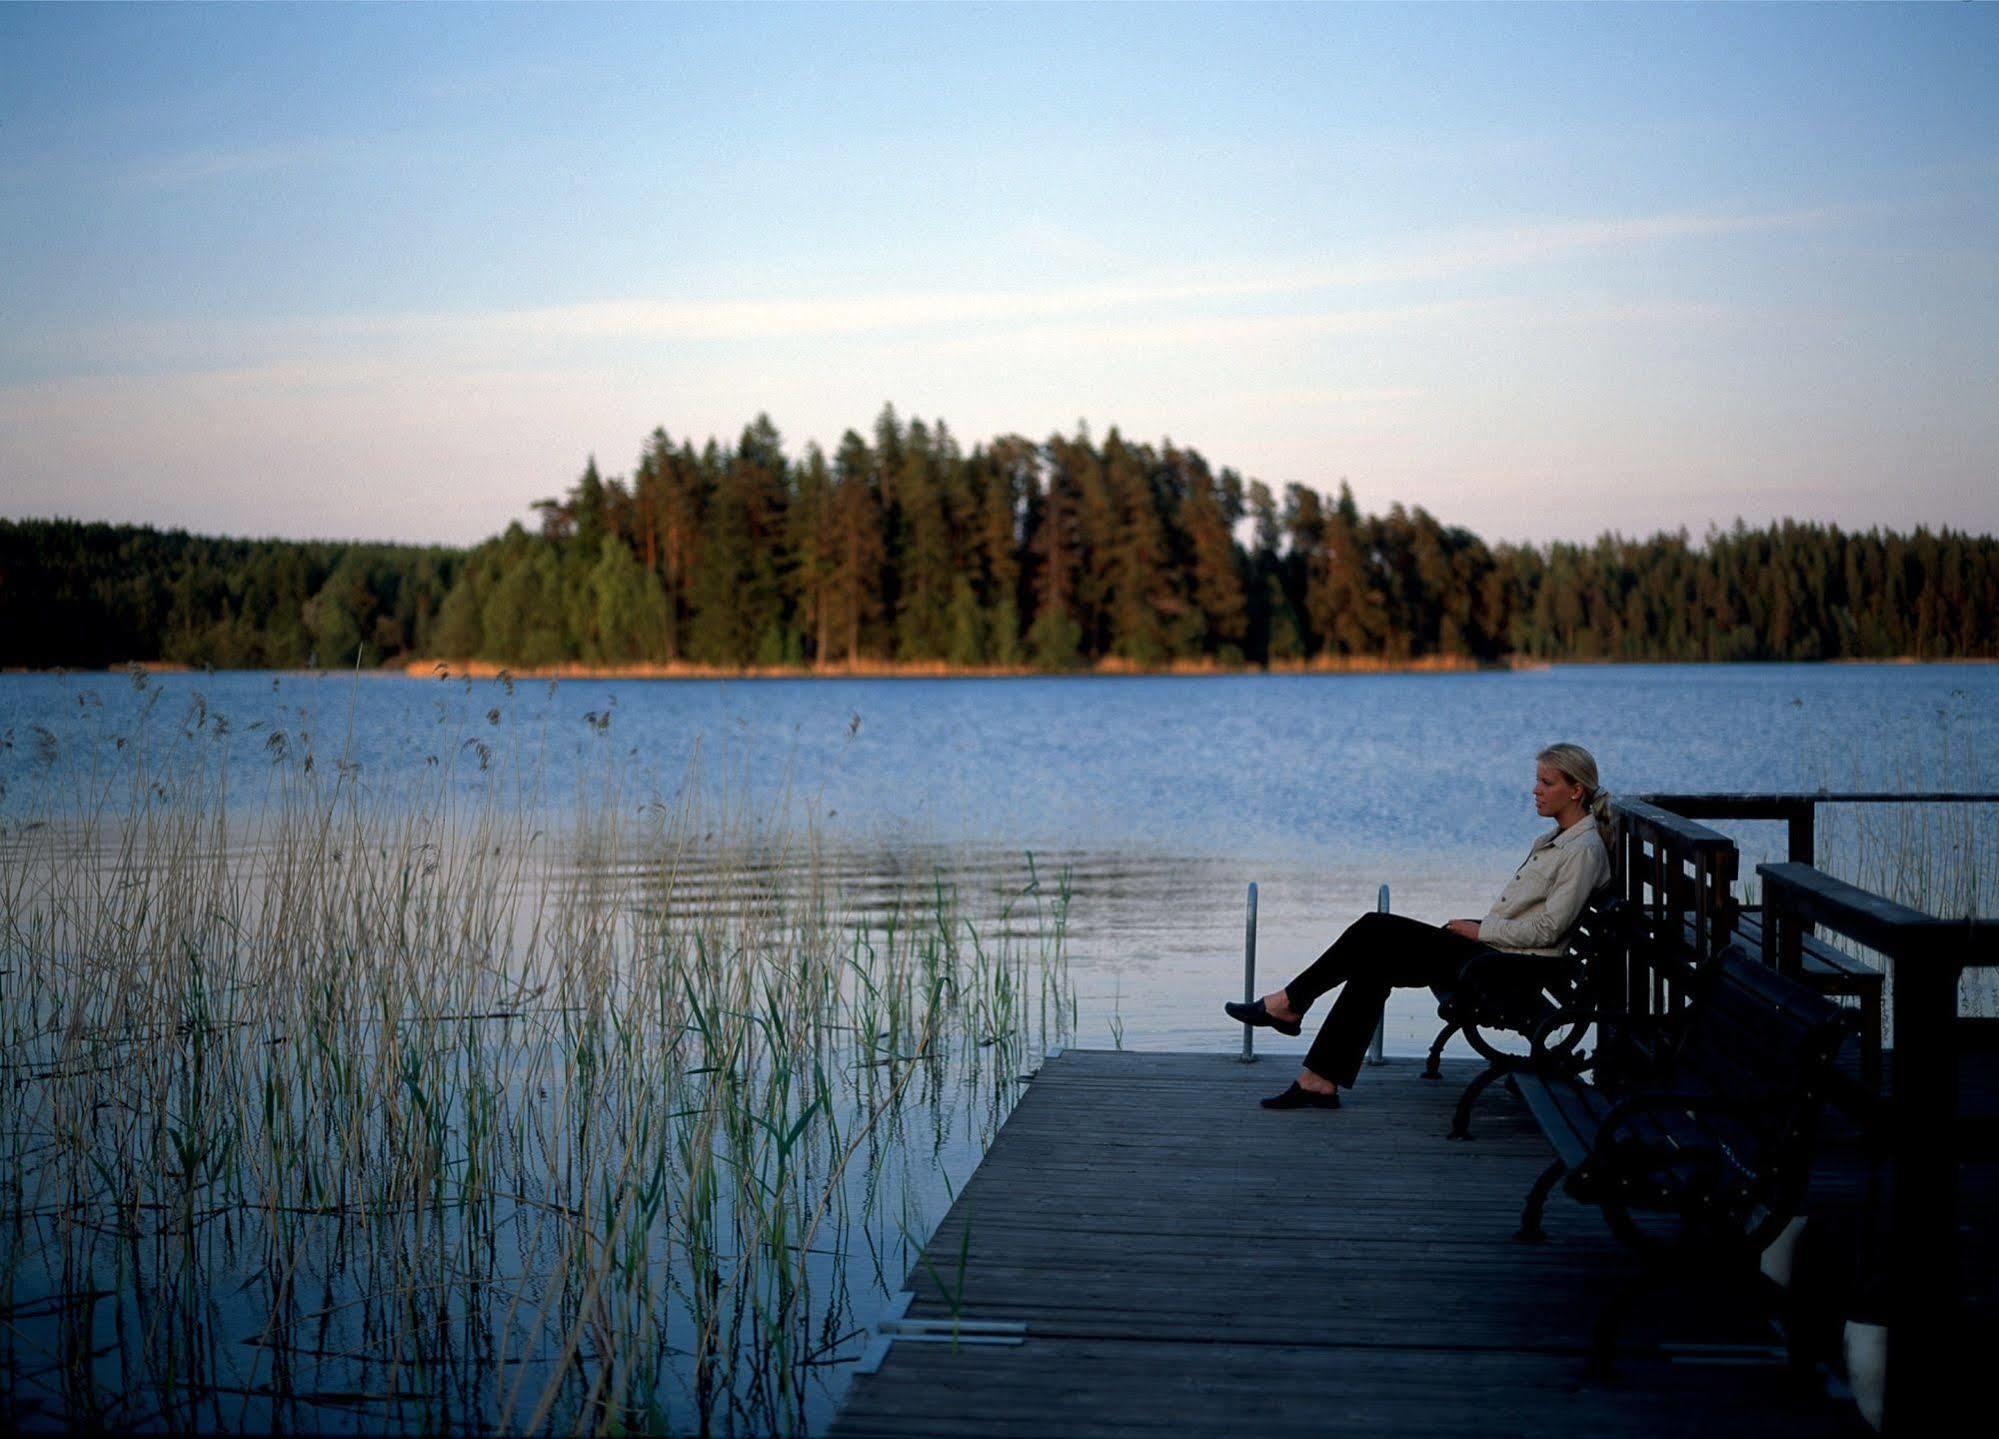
column 1801, row 819
column 1923, row 1279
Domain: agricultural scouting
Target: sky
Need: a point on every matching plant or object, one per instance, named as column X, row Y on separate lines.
column 396, row 272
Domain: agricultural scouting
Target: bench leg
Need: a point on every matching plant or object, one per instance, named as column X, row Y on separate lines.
column 1530, row 1231
column 1461, row 1116
column 1430, row 1066
column 1610, row 1323
column 1737, row 1278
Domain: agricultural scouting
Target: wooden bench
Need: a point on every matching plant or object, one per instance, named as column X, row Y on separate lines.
column 1700, row 1161
column 1830, row 970
column 1504, row 993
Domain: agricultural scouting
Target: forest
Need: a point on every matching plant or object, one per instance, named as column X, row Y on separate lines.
column 904, row 548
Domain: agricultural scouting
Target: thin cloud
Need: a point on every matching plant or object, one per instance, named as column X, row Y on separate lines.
column 1433, row 260
column 1468, row 253
column 1272, row 303
column 196, row 167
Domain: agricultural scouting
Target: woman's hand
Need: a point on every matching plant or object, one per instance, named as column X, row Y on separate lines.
column 1466, row 927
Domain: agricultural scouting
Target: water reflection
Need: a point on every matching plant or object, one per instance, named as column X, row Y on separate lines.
column 477, row 1107
column 365, row 1125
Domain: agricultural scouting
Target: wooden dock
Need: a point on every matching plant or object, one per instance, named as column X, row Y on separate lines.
column 1186, row 1262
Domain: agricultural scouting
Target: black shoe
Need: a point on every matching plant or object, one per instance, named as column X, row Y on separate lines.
column 1298, row 1097
column 1258, row 1015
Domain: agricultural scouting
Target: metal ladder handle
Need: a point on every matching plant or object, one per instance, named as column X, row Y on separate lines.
column 1374, row 1048
column 1249, row 975
column 1374, row 1054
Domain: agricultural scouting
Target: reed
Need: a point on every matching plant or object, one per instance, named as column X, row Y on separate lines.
column 335, row 1099
column 1941, row 858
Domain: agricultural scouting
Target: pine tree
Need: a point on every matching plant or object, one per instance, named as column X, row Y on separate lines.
column 1346, row 604
column 1140, row 602
column 857, row 548
column 923, row 557
column 810, row 538
column 1055, row 639
column 1208, row 512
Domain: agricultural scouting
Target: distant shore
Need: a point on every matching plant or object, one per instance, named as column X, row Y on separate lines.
column 937, row 669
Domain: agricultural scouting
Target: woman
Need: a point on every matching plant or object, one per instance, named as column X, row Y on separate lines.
column 1379, row 951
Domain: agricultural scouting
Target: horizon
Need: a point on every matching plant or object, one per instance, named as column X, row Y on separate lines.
column 312, row 272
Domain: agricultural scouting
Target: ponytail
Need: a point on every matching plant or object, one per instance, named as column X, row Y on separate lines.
column 1606, row 827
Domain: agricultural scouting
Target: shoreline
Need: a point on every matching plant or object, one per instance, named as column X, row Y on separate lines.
column 937, row 669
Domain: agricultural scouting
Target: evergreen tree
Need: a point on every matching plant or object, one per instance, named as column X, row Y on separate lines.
column 856, row 553
column 1208, row 512
column 1055, row 639
column 922, row 557
column 1057, row 555
column 1139, row 602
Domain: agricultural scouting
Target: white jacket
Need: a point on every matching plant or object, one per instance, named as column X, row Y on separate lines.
column 1540, row 903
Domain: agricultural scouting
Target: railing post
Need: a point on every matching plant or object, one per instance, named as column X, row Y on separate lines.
column 1634, row 893
column 1374, row 1048
column 1923, row 1336
column 1802, row 823
column 1728, row 866
column 1249, row 975
column 1783, row 932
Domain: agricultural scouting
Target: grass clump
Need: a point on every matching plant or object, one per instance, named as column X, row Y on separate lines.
column 1939, row 857
column 381, row 1102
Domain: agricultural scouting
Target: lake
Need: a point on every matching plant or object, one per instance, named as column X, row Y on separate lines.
column 1163, row 797
column 648, row 1027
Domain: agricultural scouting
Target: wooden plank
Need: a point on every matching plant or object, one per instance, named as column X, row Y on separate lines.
column 1820, row 958
column 1875, row 921
column 1187, row 1262
column 1089, row 1387
column 1683, row 830
column 1780, row 806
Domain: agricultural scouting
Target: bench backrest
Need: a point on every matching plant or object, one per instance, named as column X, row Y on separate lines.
column 1754, row 1031
column 1759, row 1037
column 1678, row 879
column 1598, row 929
column 1531, row 988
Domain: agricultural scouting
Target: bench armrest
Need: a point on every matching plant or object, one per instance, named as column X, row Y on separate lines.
column 1555, row 1038
column 1554, row 1043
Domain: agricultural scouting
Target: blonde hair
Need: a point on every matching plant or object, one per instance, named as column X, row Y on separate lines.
column 1579, row 765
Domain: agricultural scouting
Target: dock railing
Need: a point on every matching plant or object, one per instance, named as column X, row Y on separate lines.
column 1923, row 1133
column 1799, row 812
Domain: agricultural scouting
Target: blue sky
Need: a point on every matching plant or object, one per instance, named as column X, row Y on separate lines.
column 394, row 272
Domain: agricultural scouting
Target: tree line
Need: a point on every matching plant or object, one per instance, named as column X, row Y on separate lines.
column 904, row 547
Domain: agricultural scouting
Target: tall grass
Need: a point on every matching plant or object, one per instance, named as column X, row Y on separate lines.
column 1942, row 857
column 338, row 1100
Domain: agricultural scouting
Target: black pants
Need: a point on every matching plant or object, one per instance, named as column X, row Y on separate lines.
column 1377, row 953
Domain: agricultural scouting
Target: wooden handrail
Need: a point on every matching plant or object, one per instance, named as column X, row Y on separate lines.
column 1799, row 811
column 1775, row 806
column 1877, row 922
column 1678, row 827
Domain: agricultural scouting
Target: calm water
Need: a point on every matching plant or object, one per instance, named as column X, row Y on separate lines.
column 1141, row 807
column 1162, row 797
